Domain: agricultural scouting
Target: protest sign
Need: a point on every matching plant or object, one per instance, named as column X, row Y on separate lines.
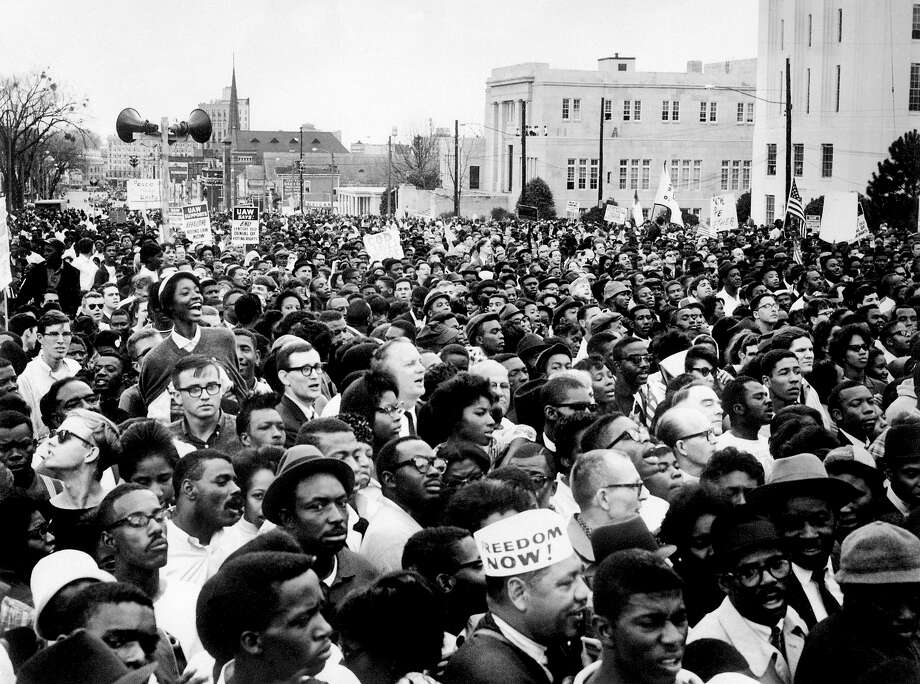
column 722, row 214
column 143, row 193
column 383, row 245
column 196, row 224
column 244, row 226
column 525, row 542
column 572, row 210
column 838, row 220
column 616, row 215
column 812, row 224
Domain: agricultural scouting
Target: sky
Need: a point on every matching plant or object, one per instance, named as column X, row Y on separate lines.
column 361, row 67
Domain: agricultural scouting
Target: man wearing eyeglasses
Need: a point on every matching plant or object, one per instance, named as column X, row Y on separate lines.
column 203, row 425
column 765, row 312
column 631, row 364
column 689, row 433
column 754, row 617
column 410, row 476
column 300, row 370
column 133, row 523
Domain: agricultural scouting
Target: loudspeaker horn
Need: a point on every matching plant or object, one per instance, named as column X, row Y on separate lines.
column 130, row 122
column 198, row 127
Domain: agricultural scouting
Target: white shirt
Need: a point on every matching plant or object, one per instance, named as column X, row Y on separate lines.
column 404, row 430
column 87, row 268
column 758, row 448
column 729, row 303
column 562, row 501
column 174, row 607
column 525, row 643
column 308, row 410
column 188, row 560
column 35, row 381
column 184, row 343
column 386, row 536
column 811, row 589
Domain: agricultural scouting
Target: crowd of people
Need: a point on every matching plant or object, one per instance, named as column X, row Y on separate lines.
column 537, row 452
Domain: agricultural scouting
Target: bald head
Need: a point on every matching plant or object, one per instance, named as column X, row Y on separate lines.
column 597, row 469
column 689, row 432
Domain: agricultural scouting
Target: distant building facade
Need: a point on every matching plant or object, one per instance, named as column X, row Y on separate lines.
column 699, row 124
column 855, row 82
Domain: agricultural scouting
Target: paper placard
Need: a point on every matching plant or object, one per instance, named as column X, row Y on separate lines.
column 838, row 220
column 722, row 214
column 244, row 226
column 143, row 193
column 572, row 209
column 812, row 224
column 196, row 224
column 383, row 245
column 616, row 215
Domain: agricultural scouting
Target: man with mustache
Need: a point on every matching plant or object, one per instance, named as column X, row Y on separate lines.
column 133, row 523
column 207, row 500
column 754, row 617
column 804, row 504
column 309, row 499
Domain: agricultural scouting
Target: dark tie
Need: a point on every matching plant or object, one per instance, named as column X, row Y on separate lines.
column 827, row 598
column 411, row 421
column 778, row 641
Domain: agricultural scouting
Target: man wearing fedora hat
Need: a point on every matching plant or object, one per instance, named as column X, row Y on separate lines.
column 309, row 500
column 804, row 503
column 880, row 621
column 81, row 658
column 754, row 617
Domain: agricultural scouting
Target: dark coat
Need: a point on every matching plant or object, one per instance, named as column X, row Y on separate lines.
column 798, row 600
column 842, row 648
column 293, row 418
column 487, row 657
column 353, row 574
column 36, row 283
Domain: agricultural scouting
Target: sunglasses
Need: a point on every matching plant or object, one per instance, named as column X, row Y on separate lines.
column 64, row 436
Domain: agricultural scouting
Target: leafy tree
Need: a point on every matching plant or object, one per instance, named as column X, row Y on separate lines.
column 500, row 213
column 394, row 193
column 33, row 110
column 894, row 188
column 743, row 207
column 537, row 194
column 815, row 207
column 595, row 215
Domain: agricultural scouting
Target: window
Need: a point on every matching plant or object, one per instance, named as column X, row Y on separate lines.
column 576, row 109
column 627, row 110
column 807, row 91
column 712, row 112
column 771, row 159
column 595, row 172
column 675, row 111
column 915, row 30
column 798, row 159
column 769, row 209
column 621, row 67
column 736, row 174
column 582, row 173
column 827, row 160
column 740, row 112
column 809, row 30
column 608, row 110
column 570, row 175
column 696, row 181
column 703, row 112
column 624, row 164
column 685, row 174
column 840, row 25
column 724, row 183
column 750, row 112
column 746, row 174
column 913, row 98
column 665, row 110
column 646, row 172
column 675, row 172
column 837, row 92
column 634, row 174
column 474, row 178
column 565, row 109
column 637, row 110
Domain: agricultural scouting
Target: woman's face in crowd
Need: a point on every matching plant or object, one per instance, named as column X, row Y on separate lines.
column 289, row 304
column 476, row 422
column 252, row 503
column 603, row 384
column 156, row 474
column 387, row 417
column 187, row 301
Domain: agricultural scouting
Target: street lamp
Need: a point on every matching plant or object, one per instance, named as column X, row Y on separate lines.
column 46, row 178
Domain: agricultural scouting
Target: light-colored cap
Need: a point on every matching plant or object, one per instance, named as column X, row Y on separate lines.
column 524, row 542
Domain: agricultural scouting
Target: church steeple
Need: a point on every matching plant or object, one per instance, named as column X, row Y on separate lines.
column 234, row 123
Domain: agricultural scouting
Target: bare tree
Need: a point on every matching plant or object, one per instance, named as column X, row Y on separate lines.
column 464, row 154
column 417, row 163
column 33, row 110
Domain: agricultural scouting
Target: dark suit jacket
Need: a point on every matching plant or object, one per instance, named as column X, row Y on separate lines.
column 293, row 418
column 354, row 573
column 487, row 657
column 798, row 600
column 36, row 283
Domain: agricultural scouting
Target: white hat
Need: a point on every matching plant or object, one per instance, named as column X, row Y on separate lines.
column 525, row 542
column 55, row 571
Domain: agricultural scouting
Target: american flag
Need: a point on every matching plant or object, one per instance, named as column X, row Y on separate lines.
column 794, row 207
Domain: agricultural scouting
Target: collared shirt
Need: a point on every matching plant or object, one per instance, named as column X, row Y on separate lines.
column 525, row 643
column 897, row 502
column 729, row 303
column 805, row 578
column 188, row 560
column 184, row 343
column 35, row 381
column 223, row 438
column 308, row 410
column 548, row 443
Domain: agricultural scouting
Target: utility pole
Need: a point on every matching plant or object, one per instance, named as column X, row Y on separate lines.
column 300, row 167
column 788, row 130
column 600, row 158
column 456, row 168
column 389, row 173
column 165, row 232
column 523, row 146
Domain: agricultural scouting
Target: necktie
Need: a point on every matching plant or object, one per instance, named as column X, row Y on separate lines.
column 778, row 641
column 827, row 598
column 411, row 422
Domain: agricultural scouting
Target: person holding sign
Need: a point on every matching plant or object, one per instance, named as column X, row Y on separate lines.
column 537, row 598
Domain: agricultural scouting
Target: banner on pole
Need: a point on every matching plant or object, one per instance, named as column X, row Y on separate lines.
column 665, row 198
column 722, row 214
column 196, row 224
column 143, row 193
column 383, row 245
column 244, row 226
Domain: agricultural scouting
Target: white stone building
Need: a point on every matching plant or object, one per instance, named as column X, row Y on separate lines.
column 699, row 123
column 855, row 82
